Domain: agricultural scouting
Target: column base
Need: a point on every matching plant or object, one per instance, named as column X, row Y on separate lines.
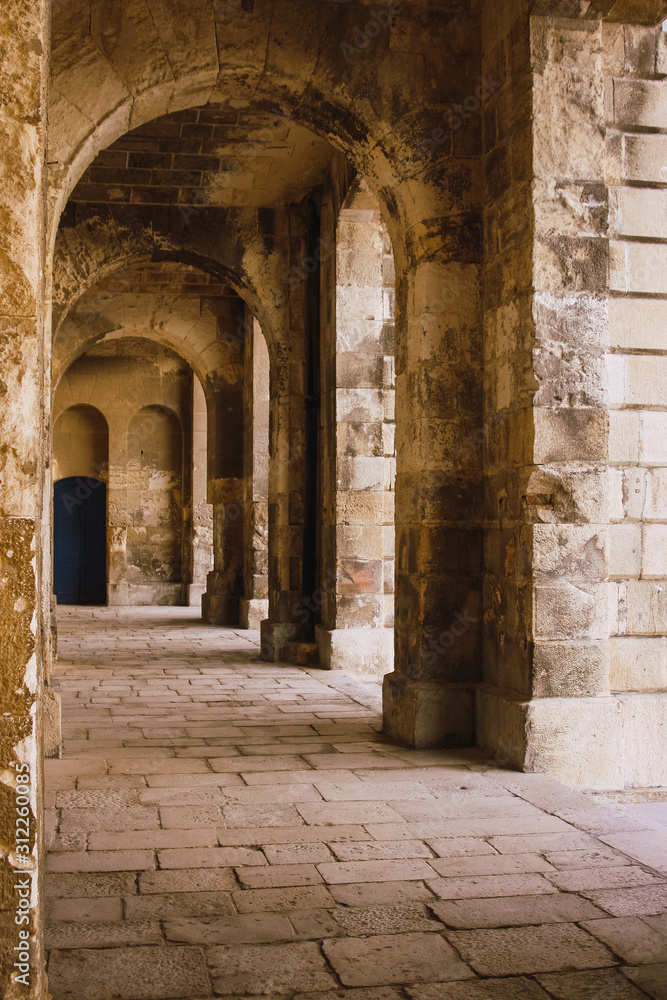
column 277, row 637
column 217, row 609
column 366, row 653
column 253, row 612
column 426, row 715
column 578, row 741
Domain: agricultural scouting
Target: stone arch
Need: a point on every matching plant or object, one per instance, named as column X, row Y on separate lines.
column 381, row 105
column 122, row 67
column 106, row 240
column 81, row 443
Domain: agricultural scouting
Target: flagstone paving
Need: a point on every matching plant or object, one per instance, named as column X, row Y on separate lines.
column 222, row 827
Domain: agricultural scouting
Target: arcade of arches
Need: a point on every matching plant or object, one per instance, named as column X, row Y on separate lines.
column 345, row 321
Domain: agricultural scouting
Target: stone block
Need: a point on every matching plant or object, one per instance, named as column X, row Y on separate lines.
column 645, row 158
column 569, row 435
column 421, row 714
column 579, row 320
column 624, row 433
column 639, row 102
column 655, row 501
column 367, row 653
column 514, row 910
column 377, row 961
column 654, row 561
column 637, row 267
column 571, row 552
column 572, row 611
column 646, row 608
column 544, row 948
column 637, row 324
column 645, row 381
column 644, row 728
column 248, row 969
column 638, row 212
column 147, row 973
column 625, row 550
column 638, row 664
column 252, row 613
column 605, row 983
column 570, row 669
column 576, row 740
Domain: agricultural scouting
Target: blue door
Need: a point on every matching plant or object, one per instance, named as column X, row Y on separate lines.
column 80, row 541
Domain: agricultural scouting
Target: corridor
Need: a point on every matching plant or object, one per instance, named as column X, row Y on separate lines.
column 219, row 826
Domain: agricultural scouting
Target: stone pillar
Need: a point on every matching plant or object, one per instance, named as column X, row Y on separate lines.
column 25, row 44
column 429, row 698
column 357, row 380
column 290, row 624
column 546, row 698
column 220, row 603
column 202, row 515
column 255, row 603
column 119, row 517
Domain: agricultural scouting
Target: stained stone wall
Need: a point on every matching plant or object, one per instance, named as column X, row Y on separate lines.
column 515, row 150
column 145, row 394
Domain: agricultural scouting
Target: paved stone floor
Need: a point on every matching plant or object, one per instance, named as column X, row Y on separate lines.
column 223, row 827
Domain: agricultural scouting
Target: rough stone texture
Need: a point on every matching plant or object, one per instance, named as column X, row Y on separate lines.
column 311, row 904
column 447, row 219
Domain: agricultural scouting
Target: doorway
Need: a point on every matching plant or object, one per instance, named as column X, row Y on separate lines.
column 80, row 541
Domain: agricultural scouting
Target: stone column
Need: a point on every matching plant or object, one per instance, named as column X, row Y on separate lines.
column 220, row 603
column 429, row 698
column 255, row 603
column 24, row 42
column 287, row 633
column 357, row 396
column 545, row 702
column 202, row 519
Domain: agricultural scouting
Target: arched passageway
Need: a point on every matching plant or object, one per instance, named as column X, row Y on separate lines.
column 513, row 152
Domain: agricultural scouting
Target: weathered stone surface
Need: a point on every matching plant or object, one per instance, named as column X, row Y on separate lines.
column 375, row 961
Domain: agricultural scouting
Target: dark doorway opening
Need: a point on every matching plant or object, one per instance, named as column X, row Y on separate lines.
column 79, row 541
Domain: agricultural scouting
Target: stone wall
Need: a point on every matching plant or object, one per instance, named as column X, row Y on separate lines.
column 636, row 148
column 145, row 394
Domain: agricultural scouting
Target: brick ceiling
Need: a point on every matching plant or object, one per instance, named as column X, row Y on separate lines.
column 214, row 155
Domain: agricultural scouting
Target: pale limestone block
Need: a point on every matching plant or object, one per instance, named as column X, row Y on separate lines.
column 646, row 381
column 645, row 158
column 363, row 302
column 653, row 437
column 625, row 550
column 638, row 323
column 576, row 740
column 566, row 611
column 655, row 502
column 624, row 426
column 638, row 664
column 616, row 376
column 654, row 561
column 638, row 267
column 645, row 732
column 646, row 607
column 639, row 212
column 614, row 158
column 635, row 484
column 640, row 102
column 359, row 268
column 361, row 473
column 568, row 551
column 359, row 405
